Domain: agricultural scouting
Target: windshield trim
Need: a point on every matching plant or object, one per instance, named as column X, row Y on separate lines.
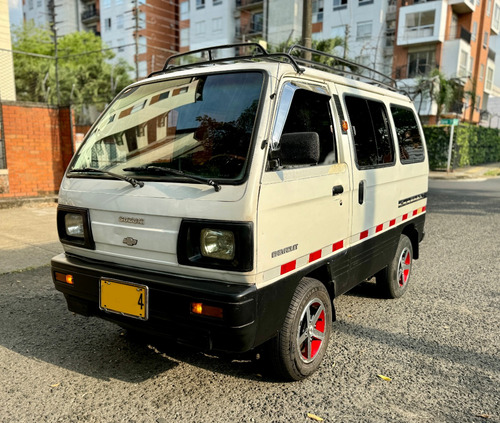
column 166, row 178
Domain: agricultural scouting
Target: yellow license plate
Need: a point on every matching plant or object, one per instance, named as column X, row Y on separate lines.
column 127, row 299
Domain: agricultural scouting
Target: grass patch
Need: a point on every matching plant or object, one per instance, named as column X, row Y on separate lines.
column 493, row 172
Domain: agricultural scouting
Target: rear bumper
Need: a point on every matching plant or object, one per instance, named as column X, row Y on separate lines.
column 169, row 304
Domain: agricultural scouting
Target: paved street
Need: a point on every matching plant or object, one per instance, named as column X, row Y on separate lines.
column 440, row 344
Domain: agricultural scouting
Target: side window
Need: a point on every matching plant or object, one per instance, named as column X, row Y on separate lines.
column 371, row 131
column 310, row 112
column 411, row 149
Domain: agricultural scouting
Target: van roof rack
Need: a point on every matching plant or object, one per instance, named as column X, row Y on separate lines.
column 334, row 62
column 208, row 56
column 255, row 51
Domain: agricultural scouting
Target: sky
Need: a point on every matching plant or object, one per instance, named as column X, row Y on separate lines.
column 15, row 12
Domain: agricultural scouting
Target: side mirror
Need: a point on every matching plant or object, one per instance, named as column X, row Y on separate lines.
column 299, row 148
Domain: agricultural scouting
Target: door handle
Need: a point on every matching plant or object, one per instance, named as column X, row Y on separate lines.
column 337, row 189
column 361, row 192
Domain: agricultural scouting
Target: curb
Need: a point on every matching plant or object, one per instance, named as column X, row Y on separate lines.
column 8, row 203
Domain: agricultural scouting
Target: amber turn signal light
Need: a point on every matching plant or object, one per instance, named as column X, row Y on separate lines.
column 61, row 277
column 206, row 310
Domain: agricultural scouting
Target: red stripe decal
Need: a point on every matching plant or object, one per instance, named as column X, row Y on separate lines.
column 415, row 212
column 392, row 222
column 288, row 267
column 380, row 227
column 314, row 256
column 405, row 216
column 337, row 246
column 363, row 235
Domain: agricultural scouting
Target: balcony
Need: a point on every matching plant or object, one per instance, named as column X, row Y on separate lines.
column 249, row 4
column 248, row 31
column 422, row 23
column 90, row 16
column 462, row 6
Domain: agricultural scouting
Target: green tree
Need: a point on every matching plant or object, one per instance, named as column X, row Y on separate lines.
column 86, row 74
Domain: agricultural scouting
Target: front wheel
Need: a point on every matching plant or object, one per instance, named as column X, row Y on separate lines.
column 394, row 280
column 299, row 348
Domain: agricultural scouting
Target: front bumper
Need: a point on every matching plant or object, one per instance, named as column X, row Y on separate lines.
column 170, row 297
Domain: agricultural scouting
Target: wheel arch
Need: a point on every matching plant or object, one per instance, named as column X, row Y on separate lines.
column 412, row 233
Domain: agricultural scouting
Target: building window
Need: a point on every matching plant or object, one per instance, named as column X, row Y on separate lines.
column 420, row 24
column 216, row 2
column 471, row 66
column 184, row 37
column 143, row 68
column 481, row 72
column 496, row 16
column 421, row 62
column 106, row 4
column 257, row 20
column 363, row 2
column 339, row 4
column 462, row 64
column 217, row 25
column 489, row 79
column 119, row 21
column 107, row 24
column 485, row 40
column 363, row 30
column 121, row 42
column 200, row 4
column 30, row 4
column 473, row 35
column 488, row 8
column 338, row 31
column 184, row 10
column 317, row 11
column 142, row 44
column 199, row 28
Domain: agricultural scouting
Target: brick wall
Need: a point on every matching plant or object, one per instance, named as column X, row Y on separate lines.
column 37, row 148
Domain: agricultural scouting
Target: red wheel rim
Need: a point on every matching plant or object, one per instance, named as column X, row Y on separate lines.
column 404, row 267
column 311, row 331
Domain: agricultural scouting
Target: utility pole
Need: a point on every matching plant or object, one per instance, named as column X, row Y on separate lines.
column 307, row 27
column 52, row 13
column 136, row 36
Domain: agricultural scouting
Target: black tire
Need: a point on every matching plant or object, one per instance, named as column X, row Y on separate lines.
column 393, row 281
column 297, row 351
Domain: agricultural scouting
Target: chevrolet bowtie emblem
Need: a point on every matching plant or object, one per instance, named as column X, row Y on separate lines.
column 130, row 241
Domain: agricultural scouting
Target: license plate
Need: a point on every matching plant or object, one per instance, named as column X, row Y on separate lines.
column 127, row 299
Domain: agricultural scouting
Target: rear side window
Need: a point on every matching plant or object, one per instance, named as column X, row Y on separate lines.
column 411, row 148
column 371, row 132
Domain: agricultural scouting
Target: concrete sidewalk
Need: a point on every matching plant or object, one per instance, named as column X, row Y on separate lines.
column 28, row 236
column 28, row 233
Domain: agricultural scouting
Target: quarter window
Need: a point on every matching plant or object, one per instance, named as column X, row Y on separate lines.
column 411, row 149
column 370, row 128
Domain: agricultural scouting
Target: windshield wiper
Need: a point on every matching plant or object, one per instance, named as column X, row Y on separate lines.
column 132, row 181
column 170, row 171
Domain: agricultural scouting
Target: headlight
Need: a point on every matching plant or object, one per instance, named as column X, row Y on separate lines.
column 74, row 225
column 217, row 244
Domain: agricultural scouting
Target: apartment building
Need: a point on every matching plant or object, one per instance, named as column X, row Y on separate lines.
column 67, row 14
column 141, row 32
column 453, row 36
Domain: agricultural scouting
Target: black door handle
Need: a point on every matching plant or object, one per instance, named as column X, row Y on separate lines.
column 337, row 189
column 361, row 192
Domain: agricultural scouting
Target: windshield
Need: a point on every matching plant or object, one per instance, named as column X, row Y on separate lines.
column 200, row 126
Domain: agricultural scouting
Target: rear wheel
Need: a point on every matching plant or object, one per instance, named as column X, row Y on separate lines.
column 299, row 348
column 394, row 280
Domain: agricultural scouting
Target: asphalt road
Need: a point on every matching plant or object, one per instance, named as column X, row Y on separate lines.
column 439, row 345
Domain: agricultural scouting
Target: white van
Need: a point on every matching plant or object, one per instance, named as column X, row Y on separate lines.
column 225, row 204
